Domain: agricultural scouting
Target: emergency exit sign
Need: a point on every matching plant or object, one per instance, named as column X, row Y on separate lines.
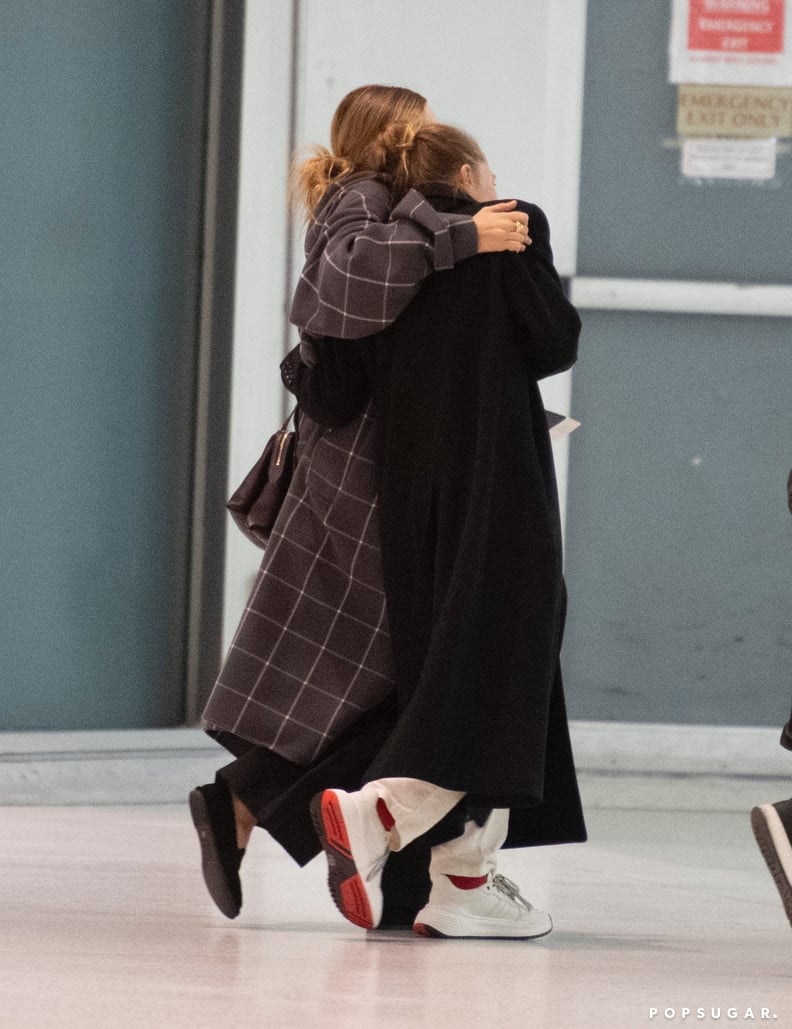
column 737, row 26
column 735, row 111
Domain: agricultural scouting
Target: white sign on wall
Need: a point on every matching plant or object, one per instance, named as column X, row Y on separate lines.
column 753, row 159
column 731, row 42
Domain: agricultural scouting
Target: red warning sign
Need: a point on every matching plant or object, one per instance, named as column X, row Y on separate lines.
column 736, row 26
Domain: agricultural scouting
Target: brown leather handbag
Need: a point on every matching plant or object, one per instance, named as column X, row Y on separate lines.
column 255, row 505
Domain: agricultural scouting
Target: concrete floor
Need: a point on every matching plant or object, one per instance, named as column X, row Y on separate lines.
column 106, row 923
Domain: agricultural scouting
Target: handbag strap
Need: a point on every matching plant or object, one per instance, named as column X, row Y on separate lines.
column 291, row 414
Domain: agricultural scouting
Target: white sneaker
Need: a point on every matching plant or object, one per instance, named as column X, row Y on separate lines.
column 356, row 844
column 495, row 909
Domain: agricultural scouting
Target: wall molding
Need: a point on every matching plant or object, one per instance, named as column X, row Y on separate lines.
column 620, row 765
column 673, row 296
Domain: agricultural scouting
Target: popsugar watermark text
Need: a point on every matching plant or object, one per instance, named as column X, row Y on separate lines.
column 712, row 1014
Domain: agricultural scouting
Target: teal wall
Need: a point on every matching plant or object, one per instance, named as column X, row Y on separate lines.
column 679, row 543
column 100, row 197
column 638, row 216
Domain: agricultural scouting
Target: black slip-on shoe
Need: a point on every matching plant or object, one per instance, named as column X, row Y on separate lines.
column 213, row 817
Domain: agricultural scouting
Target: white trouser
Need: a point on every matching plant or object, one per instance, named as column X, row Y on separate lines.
column 416, row 806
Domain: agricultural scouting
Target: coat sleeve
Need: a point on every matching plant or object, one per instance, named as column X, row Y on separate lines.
column 547, row 321
column 365, row 263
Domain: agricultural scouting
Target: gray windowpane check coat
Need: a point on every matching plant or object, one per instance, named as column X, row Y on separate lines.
column 312, row 650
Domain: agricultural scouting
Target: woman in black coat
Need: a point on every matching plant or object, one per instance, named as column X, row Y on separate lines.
column 471, row 548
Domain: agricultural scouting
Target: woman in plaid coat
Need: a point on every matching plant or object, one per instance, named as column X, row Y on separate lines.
column 305, row 695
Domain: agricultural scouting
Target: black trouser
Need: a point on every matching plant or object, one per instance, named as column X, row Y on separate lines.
column 278, row 792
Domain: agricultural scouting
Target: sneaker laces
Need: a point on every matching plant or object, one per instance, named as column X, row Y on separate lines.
column 376, row 867
column 511, row 890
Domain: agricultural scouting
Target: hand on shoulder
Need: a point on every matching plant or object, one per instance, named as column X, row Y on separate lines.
column 502, row 226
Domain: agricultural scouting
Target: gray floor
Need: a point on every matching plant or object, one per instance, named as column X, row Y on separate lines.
column 105, row 923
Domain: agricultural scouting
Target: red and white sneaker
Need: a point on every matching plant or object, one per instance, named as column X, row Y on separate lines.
column 355, row 842
column 494, row 909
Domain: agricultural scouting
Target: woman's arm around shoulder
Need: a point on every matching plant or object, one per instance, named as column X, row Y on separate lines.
column 365, row 263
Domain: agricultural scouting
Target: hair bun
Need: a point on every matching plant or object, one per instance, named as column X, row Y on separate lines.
column 399, row 135
column 314, row 175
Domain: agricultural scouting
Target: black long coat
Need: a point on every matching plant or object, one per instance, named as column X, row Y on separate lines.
column 471, row 537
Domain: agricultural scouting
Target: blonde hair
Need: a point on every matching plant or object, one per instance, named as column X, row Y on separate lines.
column 431, row 153
column 359, row 119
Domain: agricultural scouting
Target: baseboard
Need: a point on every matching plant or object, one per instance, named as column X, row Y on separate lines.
column 620, row 765
column 151, row 766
